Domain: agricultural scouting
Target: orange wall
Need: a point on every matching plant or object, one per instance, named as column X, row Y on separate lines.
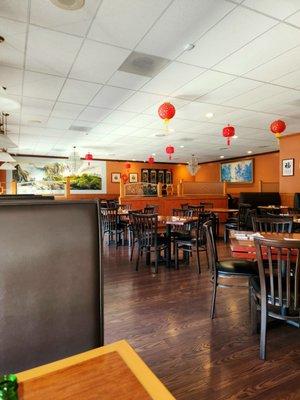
column 266, row 168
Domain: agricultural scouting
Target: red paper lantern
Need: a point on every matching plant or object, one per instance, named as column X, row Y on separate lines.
column 166, row 112
column 170, row 150
column 151, row 160
column 277, row 127
column 228, row 132
column 89, row 157
column 127, row 165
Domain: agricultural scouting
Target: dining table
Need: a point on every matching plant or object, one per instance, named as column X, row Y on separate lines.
column 114, row 371
column 242, row 242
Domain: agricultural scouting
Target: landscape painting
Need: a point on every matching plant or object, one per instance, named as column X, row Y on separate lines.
column 48, row 176
column 240, row 171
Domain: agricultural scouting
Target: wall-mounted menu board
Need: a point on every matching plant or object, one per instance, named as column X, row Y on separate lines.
column 156, row 175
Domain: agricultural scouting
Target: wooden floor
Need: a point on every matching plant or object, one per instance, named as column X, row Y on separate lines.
column 165, row 318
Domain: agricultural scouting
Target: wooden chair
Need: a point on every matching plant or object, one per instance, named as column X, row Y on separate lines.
column 148, row 239
column 132, row 230
column 208, row 206
column 278, row 225
column 233, row 268
column 275, row 293
column 242, row 222
column 154, row 207
column 111, row 225
column 193, row 239
column 150, row 210
column 196, row 209
column 184, row 206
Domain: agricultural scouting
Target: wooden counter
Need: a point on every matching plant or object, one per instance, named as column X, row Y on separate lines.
column 166, row 204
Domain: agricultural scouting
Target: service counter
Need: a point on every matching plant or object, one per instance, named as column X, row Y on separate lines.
column 166, row 204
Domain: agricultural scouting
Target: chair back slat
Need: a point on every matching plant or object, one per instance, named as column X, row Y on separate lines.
column 145, row 226
column 212, row 255
column 279, row 278
column 273, row 225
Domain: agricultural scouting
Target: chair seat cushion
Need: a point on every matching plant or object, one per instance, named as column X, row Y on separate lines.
column 237, row 267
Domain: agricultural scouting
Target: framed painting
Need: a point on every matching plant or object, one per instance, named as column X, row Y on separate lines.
column 115, row 177
column 168, row 177
column 153, row 176
column 288, row 167
column 145, row 175
column 161, row 176
column 133, row 178
column 240, row 171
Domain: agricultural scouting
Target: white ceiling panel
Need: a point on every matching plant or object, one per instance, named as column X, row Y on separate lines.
column 78, row 92
column 66, row 110
column 59, row 123
column 184, row 22
column 128, row 81
column 121, row 14
column 13, row 48
column 197, row 111
column 119, row 117
column 290, row 80
column 141, row 120
column 51, row 52
column 46, row 14
column 273, row 43
column 97, row 62
column 140, row 101
column 233, row 32
column 94, row 114
column 280, row 9
column 172, row 77
column 111, row 97
column 36, row 107
column 294, row 19
column 205, row 83
column 11, row 78
column 14, row 9
column 278, row 66
column 103, row 129
column 42, row 86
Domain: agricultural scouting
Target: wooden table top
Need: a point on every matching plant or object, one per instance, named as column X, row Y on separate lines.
column 274, row 207
column 114, row 371
column 223, row 210
column 243, row 247
column 177, row 221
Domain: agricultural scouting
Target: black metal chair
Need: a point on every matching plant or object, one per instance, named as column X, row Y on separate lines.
column 277, row 225
column 184, row 206
column 194, row 238
column 148, row 239
column 154, row 207
column 208, row 206
column 132, row 230
column 196, row 209
column 241, row 222
column 111, row 225
column 233, row 268
column 275, row 293
column 150, row 210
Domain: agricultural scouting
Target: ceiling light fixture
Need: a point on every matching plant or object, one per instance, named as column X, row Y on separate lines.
column 153, row 154
column 222, row 156
column 189, row 47
column 181, row 146
column 249, row 151
column 68, row 4
column 209, row 115
column 235, row 137
column 193, row 166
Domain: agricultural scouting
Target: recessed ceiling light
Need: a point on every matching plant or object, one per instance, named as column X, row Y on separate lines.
column 249, row 151
column 235, row 137
column 133, row 159
column 222, row 156
column 160, row 134
column 111, row 154
column 209, row 115
column 171, row 130
column 182, row 146
column 189, row 47
column 69, row 4
column 153, row 154
column 35, row 121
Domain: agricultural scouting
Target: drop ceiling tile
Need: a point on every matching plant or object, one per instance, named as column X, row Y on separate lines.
column 230, row 90
column 291, row 80
column 205, row 83
column 141, row 120
column 13, row 48
column 36, row 107
column 172, row 77
column 94, row 114
column 51, row 52
column 78, row 92
column 197, row 111
column 111, row 97
column 11, row 78
column 140, row 101
column 128, row 81
column 46, row 14
column 279, row 9
column 97, row 62
column 14, row 9
column 42, row 86
column 177, row 103
column 119, row 117
column 182, row 23
column 121, row 14
column 273, row 43
column 66, row 110
column 294, row 19
column 33, row 120
column 59, row 123
column 229, row 35
column 87, row 124
column 103, row 129
column 264, row 91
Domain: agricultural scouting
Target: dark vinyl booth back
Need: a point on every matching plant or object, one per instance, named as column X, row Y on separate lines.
column 51, row 285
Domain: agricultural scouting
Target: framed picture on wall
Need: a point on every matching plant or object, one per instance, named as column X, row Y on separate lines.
column 145, row 175
column 288, row 167
column 168, row 177
column 115, row 177
column 161, row 176
column 240, row 171
column 153, row 176
column 133, row 178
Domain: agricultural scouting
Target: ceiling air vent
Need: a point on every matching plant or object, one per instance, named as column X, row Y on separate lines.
column 79, row 128
column 143, row 64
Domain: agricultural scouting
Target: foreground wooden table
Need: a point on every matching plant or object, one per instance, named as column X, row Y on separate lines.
column 112, row 372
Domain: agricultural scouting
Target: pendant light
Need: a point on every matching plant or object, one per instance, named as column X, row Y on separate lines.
column 193, row 166
column 74, row 161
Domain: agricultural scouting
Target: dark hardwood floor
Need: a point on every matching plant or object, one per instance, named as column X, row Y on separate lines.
column 165, row 317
